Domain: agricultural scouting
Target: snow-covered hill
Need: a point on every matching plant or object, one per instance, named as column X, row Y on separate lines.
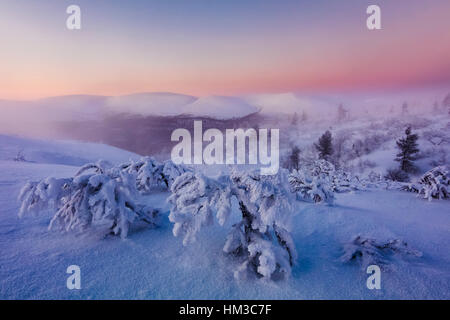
column 84, row 107
column 218, row 107
column 360, row 104
column 149, row 104
column 56, row 116
column 170, row 104
column 72, row 153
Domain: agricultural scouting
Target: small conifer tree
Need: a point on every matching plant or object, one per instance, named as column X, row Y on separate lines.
column 408, row 151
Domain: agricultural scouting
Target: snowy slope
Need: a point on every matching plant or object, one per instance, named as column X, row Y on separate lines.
column 290, row 103
column 147, row 104
column 373, row 103
column 60, row 152
column 379, row 134
column 152, row 264
column 219, row 107
column 170, row 104
column 84, row 107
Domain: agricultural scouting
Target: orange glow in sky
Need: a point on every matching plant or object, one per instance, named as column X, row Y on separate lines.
column 235, row 49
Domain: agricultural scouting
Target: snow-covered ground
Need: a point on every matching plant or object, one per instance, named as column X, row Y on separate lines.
column 369, row 144
column 153, row 264
column 60, row 152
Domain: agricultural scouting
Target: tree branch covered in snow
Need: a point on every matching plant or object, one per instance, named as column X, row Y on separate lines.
column 366, row 251
column 260, row 239
column 313, row 184
column 435, row 184
column 99, row 194
column 151, row 173
column 193, row 198
column 313, row 188
column 42, row 195
column 318, row 182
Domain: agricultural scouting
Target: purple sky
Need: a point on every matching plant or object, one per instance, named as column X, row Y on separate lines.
column 205, row 47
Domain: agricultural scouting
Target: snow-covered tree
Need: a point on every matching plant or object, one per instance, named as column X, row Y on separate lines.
column 194, row 198
column 341, row 148
column 98, row 194
column 446, row 102
column 435, row 184
column 358, row 148
column 319, row 182
column 325, row 146
column 43, row 195
column 397, row 175
column 294, row 121
column 366, row 251
column 342, row 113
column 405, row 109
column 311, row 188
column 171, row 171
column 322, row 167
column 151, row 173
column 293, row 160
column 304, row 117
column 260, row 239
column 408, row 150
column 435, row 137
column 20, row 157
column 374, row 177
column 343, row 181
column 374, row 180
column 313, row 184
column 148, row 173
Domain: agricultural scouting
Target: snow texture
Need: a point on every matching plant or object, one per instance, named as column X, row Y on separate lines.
column 260, row 239
column 366, row 251
column 99, row 194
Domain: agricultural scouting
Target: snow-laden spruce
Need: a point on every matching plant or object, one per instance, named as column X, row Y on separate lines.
column 151, row 173
column 100, row 194
column 319, row 181
column 340, row 181
column 374, row 180
column 435, row 184
column 260, row 239
column 343, row 181
column 366, row 251
column 311, row 188
column 313, row 184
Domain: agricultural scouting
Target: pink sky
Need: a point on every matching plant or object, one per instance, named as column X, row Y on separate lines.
column 260, row 49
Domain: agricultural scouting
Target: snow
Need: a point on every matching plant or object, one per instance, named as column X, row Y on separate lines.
column 44, row 117
column 288, row 103
column 153, row 264
column 84, row 107
column 60, row 152
column 36, row 115
column 358, row 103
column 171, row 104
column 157, row 103
column 220, row 107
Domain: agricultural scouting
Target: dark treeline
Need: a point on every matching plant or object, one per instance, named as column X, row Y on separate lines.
column 146, row 135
